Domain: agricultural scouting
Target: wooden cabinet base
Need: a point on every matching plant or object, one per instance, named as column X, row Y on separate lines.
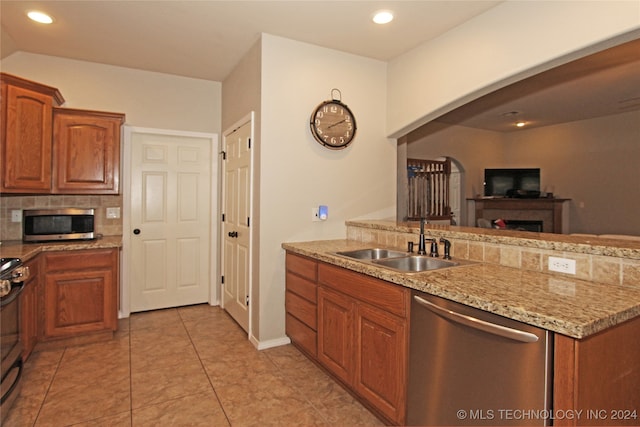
column 80, row 292
column 598, row 377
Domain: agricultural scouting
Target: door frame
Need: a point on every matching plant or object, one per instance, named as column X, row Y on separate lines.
column 124, row 308
column 249, row 118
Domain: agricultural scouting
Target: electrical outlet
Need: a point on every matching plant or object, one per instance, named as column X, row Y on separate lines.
column 562, row 265
column 113, row 213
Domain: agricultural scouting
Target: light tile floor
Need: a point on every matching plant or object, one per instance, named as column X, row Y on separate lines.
column 188, row 366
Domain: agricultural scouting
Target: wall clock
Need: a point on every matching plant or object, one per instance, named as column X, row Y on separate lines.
column 333, row 124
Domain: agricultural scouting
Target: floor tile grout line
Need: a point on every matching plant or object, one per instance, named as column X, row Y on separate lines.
column 130, row 373
column 46, row 393
column 215, row 393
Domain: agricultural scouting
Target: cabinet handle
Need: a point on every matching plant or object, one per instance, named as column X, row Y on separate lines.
column 233, row 234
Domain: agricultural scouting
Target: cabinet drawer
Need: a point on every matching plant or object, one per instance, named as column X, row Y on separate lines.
column 302, row 335
column 80, row 260
column 302, row 266
column 302, row 287
column 302, row 309
column 392, row 298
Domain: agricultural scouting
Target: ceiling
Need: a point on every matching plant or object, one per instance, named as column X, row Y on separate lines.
column 206, row 39
column 598, row 85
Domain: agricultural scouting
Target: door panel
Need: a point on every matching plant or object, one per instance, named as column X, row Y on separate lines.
column 237, row 212
column 170, row 206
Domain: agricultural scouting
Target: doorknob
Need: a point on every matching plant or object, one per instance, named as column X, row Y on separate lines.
column 136, row 231
column 233, row 234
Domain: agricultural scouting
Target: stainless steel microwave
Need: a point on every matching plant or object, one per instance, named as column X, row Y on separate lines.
column 45, row 225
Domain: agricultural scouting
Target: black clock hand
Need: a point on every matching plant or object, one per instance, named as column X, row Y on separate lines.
column 337, row 123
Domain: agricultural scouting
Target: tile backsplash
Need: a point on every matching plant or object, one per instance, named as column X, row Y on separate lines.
column 13, row 230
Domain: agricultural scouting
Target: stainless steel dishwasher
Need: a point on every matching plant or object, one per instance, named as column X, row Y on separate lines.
column 471, row 367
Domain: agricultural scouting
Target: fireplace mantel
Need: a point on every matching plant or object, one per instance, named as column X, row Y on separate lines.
column 554, row 213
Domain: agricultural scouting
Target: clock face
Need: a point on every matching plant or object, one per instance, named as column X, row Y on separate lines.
column 333, row 124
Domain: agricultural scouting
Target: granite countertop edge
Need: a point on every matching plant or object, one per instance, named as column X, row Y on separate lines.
column 559, row 305
column 27, row 251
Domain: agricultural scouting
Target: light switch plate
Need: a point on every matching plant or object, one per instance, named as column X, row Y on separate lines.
column 16, row 215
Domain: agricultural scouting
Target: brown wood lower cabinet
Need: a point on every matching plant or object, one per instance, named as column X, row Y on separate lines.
column 362, row 335
column 80, row 292
column 598, row 378
column 29, row 309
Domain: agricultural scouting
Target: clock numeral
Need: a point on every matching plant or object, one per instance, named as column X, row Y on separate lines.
column 319, row 115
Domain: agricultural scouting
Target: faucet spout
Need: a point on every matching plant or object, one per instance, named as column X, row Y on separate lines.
column 421, row 243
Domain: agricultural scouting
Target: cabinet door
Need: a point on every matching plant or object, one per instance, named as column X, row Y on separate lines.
column 26, row 141
column 86, row 152
column 381, row 360
column 29, row 310
column 80, row 292
column 336, row 334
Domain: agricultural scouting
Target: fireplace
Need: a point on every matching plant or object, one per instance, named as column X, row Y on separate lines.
column 525, row 225
column 551, row 214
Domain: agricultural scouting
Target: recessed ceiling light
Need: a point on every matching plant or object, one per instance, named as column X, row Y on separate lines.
column 383, row 17
column 40, row 17
column 520, row 124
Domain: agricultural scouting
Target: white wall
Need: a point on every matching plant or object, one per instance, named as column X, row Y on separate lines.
column 509, row 42
column 297, row 173
column 148, row 99
column 240, row 96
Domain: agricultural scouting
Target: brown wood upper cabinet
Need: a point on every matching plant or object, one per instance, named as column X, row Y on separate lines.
column 86, row 152
column 26, row 129
column 45, row 149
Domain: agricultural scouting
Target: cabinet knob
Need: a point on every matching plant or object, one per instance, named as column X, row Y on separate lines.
column 136, row 231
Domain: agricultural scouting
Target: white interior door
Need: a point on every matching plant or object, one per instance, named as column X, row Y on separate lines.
column 170, row 220
column 236, row 224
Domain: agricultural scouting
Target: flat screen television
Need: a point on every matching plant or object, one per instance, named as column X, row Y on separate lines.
column 519, row 183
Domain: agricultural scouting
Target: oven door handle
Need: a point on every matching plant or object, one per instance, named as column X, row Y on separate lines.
column 17, row 364
column 16, row 289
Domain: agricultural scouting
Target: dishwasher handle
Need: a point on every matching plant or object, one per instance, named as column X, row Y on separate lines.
column 482, row 325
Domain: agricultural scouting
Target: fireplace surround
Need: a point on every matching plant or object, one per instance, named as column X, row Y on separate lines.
column 553, row 213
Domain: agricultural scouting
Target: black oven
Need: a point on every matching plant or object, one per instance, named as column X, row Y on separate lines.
column 12, row 277
column 45, row 225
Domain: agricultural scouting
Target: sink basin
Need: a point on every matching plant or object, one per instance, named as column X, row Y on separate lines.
column 415, row 263
column 372, row 254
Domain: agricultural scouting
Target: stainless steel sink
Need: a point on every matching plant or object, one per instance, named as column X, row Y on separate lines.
column 400, row 261
column 415, row 263
column 372, row 254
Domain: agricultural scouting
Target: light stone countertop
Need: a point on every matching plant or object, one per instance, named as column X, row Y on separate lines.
column 568, row 306
column 27, row 251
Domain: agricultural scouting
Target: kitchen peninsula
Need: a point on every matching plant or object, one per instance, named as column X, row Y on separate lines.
column 594, row 316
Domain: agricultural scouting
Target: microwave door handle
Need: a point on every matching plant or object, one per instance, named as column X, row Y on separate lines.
column 472, row 322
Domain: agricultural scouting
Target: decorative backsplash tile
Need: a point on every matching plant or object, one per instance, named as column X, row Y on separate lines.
column 601, row 263
column 13, row 230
